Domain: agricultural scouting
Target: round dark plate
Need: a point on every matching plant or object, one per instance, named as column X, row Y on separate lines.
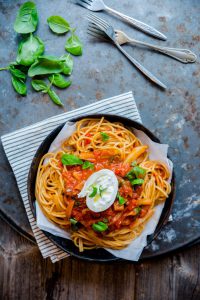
column 67, row 245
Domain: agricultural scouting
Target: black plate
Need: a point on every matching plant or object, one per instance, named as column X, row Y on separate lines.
column 67, row 245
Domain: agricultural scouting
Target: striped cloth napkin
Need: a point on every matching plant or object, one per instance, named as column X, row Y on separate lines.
column 27, row 140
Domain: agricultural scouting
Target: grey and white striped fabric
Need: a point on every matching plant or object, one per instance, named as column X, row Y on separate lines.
column 21, row 145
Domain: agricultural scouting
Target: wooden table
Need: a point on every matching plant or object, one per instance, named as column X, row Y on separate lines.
column 26, row 275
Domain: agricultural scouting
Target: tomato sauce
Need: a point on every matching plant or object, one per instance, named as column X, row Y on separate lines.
column 75, row 178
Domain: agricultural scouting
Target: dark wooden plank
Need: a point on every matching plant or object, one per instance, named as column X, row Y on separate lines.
column 26, row 275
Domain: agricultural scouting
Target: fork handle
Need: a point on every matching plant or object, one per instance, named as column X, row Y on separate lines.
column 140, row 25
column 183, row 55
column 141, row 68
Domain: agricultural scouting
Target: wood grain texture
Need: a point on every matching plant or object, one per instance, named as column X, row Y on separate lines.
column 26, row 275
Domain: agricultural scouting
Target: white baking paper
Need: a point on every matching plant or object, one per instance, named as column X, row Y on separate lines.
column 134, row 250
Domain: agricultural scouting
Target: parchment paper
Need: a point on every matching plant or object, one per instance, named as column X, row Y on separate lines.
column 134, row 250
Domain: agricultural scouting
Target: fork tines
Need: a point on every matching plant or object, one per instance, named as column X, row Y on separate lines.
column 102, row 24
column 94, row 31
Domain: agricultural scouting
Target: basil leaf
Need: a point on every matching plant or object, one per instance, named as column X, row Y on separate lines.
column 121, row 199
column 58, row 25
column 137, row 181
column 73, row 45
column 68, row 64
column 19, row 85
column 100, row 226
column 87, row 165
column 134, row 163
column 5, row 68
column 73, row 221
column 104, row 136
column 59, row 81
column 29, row 49
column 70, row 160
column 137, row 210
column 136, row 172
column 94, row 192
column 54, row 97
column 27, row 18
column 139, row 172
column 39, row 85
column 17, row 73
column 46, row 65
column 101, row 190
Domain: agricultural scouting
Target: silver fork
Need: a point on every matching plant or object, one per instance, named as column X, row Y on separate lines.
column 98, row 5
column 183, row 55
column 101, row 29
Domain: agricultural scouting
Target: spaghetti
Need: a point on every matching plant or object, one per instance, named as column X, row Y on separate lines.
column 95, row 145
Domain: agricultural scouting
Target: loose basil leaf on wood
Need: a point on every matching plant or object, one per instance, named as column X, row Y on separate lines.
column 73, row 45
column 70, row 160
column 58, row 25
column 68, row 64
column 27, row 18
column 29, row 49
column 59, row 81
column 19, row 85
column 39, row 85
column 46, row 65
column 17, row 73
column 54, row 97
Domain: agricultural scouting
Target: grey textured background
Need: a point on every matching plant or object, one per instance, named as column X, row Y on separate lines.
column 102, row 72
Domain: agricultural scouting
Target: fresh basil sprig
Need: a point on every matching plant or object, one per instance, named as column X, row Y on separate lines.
column 100, row 226
column 73, row 45
column 87, row 165
column 68, row 64
column 70, row 160
column 46, row 64
column 58, row 24
column 59, row 81
column 121, row 199
column 29, row 49
column 19, row 85
column 105, row 137
column 94, row 192
column 41, row 86
column 27, row 18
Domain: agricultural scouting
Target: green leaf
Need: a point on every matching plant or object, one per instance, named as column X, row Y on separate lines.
column 58, row 24
column 39, row 85
column 73, row 221
column 139, row 172
column 87, row 165
column 121, row 199
column 46, row 65
column 73, row 45
column 70, row 160
column 101, row 190
column 19, row 85
column 137, row 181
column 29, row 49
column 100, row 226
column 5, row 68
column 137, row 210
column 136, row 172
column 134, row 163
column 17, row 73
column 59, row 81
column 94, row 192
column 104, row 136
column 54, row 97
column 27, row 18
column 68, row 64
